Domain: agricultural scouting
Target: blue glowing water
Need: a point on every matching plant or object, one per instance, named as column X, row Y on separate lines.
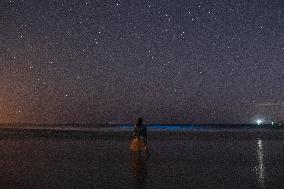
column 204, row 127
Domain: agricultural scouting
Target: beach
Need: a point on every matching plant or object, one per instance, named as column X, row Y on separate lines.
column 39, row 158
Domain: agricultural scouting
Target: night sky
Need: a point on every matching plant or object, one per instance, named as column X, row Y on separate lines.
column 87, row 61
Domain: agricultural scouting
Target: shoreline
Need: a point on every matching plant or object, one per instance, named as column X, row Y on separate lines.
column 108, row 133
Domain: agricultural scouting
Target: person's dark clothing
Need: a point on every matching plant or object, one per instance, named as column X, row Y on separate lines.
column 140, row 131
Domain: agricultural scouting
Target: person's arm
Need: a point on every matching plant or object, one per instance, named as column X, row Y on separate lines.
column 146, row 132
column 143, row 132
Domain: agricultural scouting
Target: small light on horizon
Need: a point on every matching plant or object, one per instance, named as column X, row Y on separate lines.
column 259, row 122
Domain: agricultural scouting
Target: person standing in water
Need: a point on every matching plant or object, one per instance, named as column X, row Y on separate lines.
column 140, row 138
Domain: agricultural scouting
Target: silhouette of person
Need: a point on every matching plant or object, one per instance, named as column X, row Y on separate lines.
column 140, row 138
column 138, row 144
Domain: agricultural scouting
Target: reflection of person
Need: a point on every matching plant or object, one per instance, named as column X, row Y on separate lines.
column 140, row 138
column 139, row 166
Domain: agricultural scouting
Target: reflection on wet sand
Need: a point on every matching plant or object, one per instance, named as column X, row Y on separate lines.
column 260, row 169
column 139, row 166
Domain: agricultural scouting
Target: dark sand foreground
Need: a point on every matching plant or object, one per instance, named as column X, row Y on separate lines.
column 62, row 159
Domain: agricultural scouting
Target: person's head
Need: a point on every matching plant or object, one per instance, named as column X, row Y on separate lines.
column 139, row 121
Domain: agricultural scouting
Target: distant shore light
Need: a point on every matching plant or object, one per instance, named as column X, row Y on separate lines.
column 259, row 121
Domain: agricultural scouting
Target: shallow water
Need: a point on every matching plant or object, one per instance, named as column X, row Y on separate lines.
column 207, row 128
column 219, row 162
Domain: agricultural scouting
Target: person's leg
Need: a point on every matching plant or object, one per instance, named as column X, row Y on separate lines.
column 133, row 155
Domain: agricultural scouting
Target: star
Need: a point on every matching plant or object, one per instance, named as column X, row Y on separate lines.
column 102, row 51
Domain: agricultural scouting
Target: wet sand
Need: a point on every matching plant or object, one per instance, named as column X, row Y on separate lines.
column 73, row 159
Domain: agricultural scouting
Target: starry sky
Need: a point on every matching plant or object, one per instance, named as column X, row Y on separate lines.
column 182, row 61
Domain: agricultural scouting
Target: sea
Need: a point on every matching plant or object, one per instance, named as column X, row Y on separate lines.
column 181, row 156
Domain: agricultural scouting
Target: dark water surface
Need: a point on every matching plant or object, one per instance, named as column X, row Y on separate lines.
column 193, row 162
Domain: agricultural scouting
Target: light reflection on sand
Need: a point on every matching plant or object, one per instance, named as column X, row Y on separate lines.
column 260, row 169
